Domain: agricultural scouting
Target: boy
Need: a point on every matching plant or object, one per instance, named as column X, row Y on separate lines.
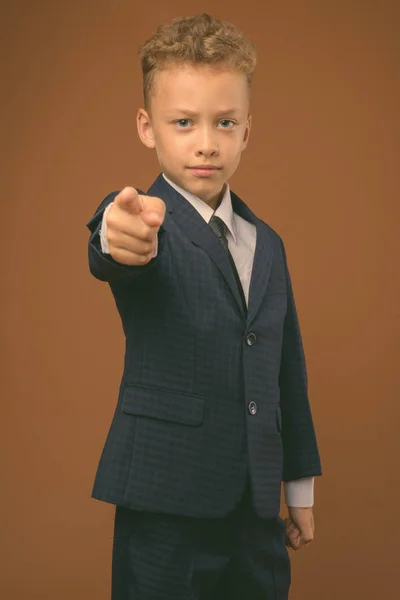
column 213, row 410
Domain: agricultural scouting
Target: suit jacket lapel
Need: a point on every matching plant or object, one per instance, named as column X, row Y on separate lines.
column 262, row 257
column 200, row 233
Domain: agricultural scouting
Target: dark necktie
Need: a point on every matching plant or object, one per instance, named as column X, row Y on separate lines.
column 220, row 229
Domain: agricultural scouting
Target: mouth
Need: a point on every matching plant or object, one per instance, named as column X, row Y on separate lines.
column 204, row 170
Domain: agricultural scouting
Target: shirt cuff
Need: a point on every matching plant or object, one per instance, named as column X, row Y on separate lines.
column 105, row 248
column 155, row 249
column 300, row 492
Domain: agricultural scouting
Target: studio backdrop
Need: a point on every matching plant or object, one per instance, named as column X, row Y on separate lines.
column 324, row 143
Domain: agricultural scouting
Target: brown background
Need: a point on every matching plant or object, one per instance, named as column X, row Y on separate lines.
column 321, row 168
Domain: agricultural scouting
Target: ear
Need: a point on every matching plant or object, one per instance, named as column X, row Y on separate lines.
column 247, row 132
column 145, row 129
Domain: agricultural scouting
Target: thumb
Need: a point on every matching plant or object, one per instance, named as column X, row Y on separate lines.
column 129, row 201
column 307, row 534
column 306, row 531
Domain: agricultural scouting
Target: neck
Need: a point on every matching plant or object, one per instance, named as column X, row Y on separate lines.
column 215, row 202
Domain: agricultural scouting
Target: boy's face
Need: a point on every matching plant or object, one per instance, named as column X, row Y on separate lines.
column 197, row 116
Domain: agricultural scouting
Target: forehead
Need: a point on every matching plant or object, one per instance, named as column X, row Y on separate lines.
column 199, row 86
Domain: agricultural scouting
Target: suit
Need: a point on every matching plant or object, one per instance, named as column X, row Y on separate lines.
column 209, row 396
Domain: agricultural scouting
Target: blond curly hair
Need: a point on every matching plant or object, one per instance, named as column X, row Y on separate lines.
column 197, row 40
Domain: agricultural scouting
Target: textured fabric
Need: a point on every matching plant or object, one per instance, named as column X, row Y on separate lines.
column 105, row 248
column 164, row 557
column 220, row 228
column 208, row 394
column 241, row 239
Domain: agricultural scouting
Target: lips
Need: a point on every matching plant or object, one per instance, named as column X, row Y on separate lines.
column 204, row 170
column 204, row 167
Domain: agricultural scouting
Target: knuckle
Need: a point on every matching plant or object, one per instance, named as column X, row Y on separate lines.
column 143, row 259
column 146, row 233
column 116, row 255
column 111, row 237
column 147, row 248
column 111, row 220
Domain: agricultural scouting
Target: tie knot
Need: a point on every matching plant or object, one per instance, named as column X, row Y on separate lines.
column 218, row 226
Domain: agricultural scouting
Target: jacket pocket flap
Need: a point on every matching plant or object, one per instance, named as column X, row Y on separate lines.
column 166, row 405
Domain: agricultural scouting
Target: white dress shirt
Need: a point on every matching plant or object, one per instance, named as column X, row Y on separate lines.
column 241, row 237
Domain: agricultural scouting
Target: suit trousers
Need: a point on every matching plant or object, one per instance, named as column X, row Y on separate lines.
column 166, row 557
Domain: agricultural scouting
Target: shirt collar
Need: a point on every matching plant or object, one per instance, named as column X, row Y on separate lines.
column 224, row 210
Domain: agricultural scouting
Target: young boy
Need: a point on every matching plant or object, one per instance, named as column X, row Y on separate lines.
column 213, row 411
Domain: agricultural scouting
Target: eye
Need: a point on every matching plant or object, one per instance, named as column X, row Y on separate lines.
column 227, row 123
column 183, row 123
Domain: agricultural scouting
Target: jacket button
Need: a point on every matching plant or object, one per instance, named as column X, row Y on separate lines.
column 252, row 408
column 250, row 339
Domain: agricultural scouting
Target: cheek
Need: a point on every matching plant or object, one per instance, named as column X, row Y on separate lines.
column 171, row 146
column 233, row 148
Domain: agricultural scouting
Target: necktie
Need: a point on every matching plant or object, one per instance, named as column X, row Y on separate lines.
column 219, row 228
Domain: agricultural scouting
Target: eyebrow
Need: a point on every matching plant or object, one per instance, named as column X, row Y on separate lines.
column 191, row 113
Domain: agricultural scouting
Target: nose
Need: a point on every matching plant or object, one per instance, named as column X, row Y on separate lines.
column 207, row 144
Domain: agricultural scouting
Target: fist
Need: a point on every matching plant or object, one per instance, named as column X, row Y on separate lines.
column 133, row 222
column 300, row 527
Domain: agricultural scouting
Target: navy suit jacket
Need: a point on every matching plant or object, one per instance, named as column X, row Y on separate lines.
column 208, row 395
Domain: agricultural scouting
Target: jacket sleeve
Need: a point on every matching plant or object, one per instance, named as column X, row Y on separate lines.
column 301, row 456
column 103, row 266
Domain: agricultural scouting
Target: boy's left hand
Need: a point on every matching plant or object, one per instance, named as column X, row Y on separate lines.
column 299, row 527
